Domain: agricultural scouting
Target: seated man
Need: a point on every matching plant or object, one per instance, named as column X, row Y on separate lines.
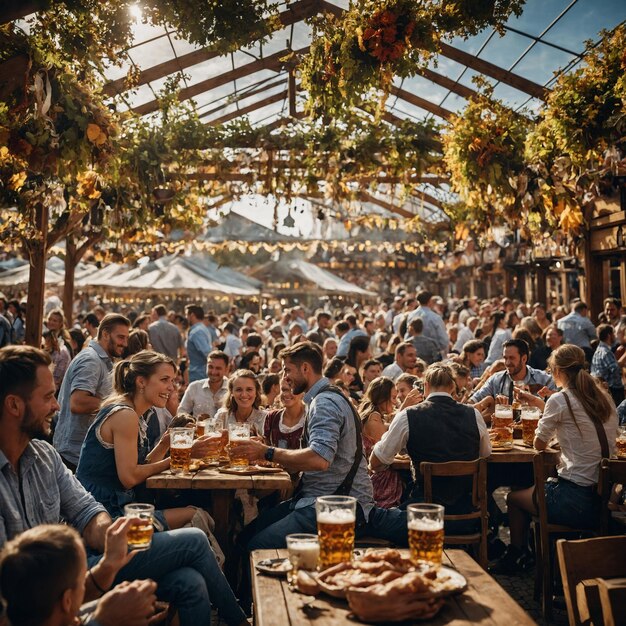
column 405, row 361
column 502, row 384
column 205, row 396
column 438, row 430
column 44, row 580
column 331, row 459
column 36, row 488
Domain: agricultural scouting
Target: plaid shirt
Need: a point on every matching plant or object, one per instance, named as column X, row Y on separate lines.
column 604, row 365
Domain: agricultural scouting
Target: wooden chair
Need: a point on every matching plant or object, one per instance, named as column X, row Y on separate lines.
column 580, row 563
column 544, row 466
column 611, row 471
column 477, row 470
column 613, row 601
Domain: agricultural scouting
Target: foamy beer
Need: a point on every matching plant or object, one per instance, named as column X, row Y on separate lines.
column 181, row 440
column 530, row 419
column 200, row 426
column 620, row 444
column 336, row 518
column 502, row 416
column 425, row 522
column 140, row 534
column 213, row 429
column 304, row 552
column 237, row 433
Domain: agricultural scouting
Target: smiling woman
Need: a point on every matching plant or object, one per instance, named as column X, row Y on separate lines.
column 115, row 458
column 242, row 401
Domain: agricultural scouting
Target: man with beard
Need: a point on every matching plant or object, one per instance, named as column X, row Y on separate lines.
column 87, row 382
column 205, row 396
column 331, row 461
column 515, row 352
column 36, row 488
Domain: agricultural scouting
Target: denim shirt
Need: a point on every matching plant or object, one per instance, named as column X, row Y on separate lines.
column 434, row 326
column 51, row 493
column 577, row 329
column 500, row 383
column 198, row 348
column 330, row 433
column 89, row 371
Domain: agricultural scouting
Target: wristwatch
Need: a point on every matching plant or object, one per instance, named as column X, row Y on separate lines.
column 269, row 454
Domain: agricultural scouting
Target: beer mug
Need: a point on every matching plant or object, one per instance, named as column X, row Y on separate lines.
column 425, row 524
column 502, row 416
column 181, row 440
column 304, row 552
column 530, row 418
column 336, row 520
column 140, row 534
column 237, row 432
column 620, row 444
column 213, row 429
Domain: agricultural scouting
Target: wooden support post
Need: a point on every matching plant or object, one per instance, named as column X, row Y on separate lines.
column 542, row 291
column 594, row 280
column 36, row 280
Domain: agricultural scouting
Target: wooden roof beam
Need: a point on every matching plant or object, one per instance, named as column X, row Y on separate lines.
column 494, row 71
column 272, row 62
column 295, row 13
column 422, row 103
column 248, row 109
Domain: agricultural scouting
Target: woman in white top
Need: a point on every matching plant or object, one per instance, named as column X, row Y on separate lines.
column 570, row 498
column 242, row 401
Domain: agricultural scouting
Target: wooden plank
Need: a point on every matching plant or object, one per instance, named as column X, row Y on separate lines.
column 268, row 593
column 448, row 83
column 214, row 479
column 272, row 62
column 167, row 480
column 271, row 481
column 422, row 103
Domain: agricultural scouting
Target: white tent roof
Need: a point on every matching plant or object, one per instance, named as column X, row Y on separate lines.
column 20, row 275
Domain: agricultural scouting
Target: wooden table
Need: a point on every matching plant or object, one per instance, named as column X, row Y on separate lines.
column 484, row 602
column 223, row 487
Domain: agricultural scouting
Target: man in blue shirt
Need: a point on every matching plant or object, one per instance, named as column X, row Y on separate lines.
column 331, row 449
column 86, row 383
column 516, row 354
column 604, row 365
column 355, row 331
column 434, row 326
column 578, row 328
column 198, row 342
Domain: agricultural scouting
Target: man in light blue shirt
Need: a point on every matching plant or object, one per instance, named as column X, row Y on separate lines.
column 578, row 328
column 502, row 383
column 434, row 326
column 198, row 342
column 331, row 460
column 86, row 383
column 355, row 331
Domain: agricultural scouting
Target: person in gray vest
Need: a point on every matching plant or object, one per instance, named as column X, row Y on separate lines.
column 437, row 430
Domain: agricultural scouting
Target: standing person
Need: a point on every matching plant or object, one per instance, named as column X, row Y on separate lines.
column 18, row 329
column 501, row 334
column 354, row 330
column 578, row 329
column 198, row 342
column 165, row 336
column 378, row 404
column 284, row 427
column 581, row 416
column 604, row 365
column 59, row 354
column 433, row 324
column 324, row 321
column 35, row 488
column 206, row 396
column 425, row 347
column 612, row 308
column 232, row 343
column 540, row 315
column 90, row 324
column 87, row 382
column 331, row 460
column 242, row 401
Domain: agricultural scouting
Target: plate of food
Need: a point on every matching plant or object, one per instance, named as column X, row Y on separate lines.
column 274, row 567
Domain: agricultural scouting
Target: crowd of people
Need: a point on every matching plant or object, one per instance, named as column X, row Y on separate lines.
column 331, row 396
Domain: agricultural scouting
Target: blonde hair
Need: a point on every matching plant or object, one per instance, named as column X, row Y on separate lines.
column 570, row 361
column 378, row 392
column 440, row 376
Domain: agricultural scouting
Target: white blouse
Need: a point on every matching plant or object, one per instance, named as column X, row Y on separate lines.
column 256, row 419
column 580, row 446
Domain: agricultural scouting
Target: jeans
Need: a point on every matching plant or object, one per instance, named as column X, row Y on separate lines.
column 273, row 526
column 184, row 566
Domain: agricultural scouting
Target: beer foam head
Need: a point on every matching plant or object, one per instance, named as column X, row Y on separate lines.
column 338, row 516
column 425, row 524
column 304, row 546
column 181, row 445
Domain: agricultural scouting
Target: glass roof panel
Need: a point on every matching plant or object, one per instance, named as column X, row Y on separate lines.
column 144, row 55
column 445, row 66
column 513, row 97
column 403, row 109
column 472, row 44
column 454, row 103
column 584, row 21
column 182, row 46
column 208, row 69
column 278, row 42
column 266, row 111
column 541, row 62
column 113, row 72
column 538, row 14
column 423, row 88
column 144, row 32
column 139, row 95
column 504, row 51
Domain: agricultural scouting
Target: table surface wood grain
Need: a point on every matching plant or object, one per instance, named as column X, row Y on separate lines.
column 484, row 602
column 212, row 478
